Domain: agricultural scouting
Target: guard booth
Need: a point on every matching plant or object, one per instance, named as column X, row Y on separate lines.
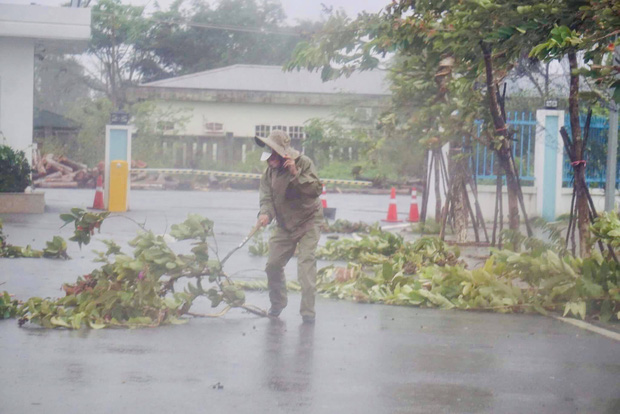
column 117, row 162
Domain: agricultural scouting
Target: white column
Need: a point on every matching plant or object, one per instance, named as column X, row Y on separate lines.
column 17, row 93
column 548, row 162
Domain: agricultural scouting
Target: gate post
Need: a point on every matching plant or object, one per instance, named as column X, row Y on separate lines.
column 548, row 156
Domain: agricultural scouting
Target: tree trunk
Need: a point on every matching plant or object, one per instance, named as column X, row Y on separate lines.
column 425, row 189
column 503, row 152
column 583, row 219
column 458, row 174
column 437, row 185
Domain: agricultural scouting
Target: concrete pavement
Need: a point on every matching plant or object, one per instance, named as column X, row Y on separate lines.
column 356, row 359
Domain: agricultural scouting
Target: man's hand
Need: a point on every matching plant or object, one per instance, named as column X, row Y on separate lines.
column 289, row 164
column 263, row 220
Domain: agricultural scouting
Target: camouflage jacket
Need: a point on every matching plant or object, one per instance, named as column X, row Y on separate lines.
column 292, row 200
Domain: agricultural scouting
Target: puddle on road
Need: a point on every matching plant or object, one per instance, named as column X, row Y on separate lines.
column 445, row 397
column 127, row 351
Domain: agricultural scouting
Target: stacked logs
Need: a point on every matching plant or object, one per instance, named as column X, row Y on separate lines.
column 50, row 171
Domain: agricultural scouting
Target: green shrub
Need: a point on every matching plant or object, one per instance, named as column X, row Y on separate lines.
column 14, row 170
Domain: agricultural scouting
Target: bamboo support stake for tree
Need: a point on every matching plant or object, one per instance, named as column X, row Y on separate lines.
column 581, row 177
column 437, row 187
column 471, row 213
column 425, row 189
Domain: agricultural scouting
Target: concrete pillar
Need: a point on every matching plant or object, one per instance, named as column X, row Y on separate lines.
column 548, row 162
column 17, row 93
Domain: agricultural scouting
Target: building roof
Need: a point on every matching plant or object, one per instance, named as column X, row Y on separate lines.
column 262, row 78
column 62, row 29
column 48, row 119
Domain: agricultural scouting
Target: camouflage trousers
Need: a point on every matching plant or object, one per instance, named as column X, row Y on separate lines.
column 282, row 245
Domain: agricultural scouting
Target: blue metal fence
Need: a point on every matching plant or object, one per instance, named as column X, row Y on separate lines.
column 595, row 155
column 523, row 126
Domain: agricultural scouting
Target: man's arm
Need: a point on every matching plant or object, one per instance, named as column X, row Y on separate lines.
column 307, row 180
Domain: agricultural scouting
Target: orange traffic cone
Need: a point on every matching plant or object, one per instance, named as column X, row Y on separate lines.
column 324, row 198
column 98, row 203
column 414, row 216
column 392, row 215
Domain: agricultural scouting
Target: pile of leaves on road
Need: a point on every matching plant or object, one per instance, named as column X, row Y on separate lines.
column 138, row 289
column 380, row 247
column 260, row 241
column 9, row 306
column 56, row 248
column 383, row 268
column 345, row 226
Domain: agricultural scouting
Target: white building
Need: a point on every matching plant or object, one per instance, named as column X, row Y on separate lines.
column 228, row 106
column 24, row 31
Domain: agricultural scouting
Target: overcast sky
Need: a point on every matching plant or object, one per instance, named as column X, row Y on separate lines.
column 295, row 9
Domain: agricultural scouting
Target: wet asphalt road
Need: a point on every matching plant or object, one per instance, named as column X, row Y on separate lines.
column 356, row 359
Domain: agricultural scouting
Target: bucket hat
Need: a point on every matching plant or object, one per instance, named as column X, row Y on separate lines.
column 280, row 142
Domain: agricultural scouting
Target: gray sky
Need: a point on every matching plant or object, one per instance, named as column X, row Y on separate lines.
column 295, row 9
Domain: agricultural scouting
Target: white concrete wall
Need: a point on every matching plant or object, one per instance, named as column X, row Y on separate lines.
column 21, row 27
column 598, row 198
column 486, row 198
column 241, row 119
column 40, row 22
column 16, row 92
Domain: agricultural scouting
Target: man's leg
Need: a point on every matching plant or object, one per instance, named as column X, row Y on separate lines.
column 306, row 272
column 281, row 249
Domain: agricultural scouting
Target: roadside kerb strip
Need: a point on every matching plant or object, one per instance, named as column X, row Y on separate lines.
column 589, row 327
column 185, row 171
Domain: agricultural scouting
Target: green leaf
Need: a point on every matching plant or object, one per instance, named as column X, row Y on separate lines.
column 387, row 272
column 57, row 321
column 67, row 218
column 606, row 311
column 94, row 325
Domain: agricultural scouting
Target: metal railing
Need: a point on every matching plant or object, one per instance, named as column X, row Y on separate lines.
column 523, row 128
column 595, row 154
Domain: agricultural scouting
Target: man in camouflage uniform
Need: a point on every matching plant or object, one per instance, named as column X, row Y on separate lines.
column 289, row 193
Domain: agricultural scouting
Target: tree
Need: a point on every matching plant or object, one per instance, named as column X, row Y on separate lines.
column 202, row 37
column 151, row 122
column 92, row 115
column 118, row 37
column 58, row 82
column 422, row 34
column 583, row 32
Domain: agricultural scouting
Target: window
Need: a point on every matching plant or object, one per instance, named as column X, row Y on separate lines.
column 214, row 127
column 296, row 132
column 363, row 114
column 278, row 128
column 262, row 131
